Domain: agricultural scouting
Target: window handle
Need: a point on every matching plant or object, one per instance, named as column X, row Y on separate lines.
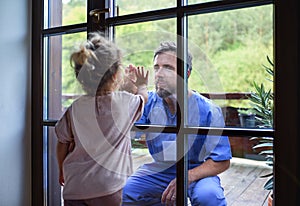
column 95, row 13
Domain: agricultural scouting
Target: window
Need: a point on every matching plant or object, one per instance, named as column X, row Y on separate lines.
column 55, row 34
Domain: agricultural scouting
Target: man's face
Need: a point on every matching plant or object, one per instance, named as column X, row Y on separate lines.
column 165, row 74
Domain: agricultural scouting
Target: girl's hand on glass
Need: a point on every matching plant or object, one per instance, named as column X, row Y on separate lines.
column 129, row 80
column 130, row 72
column 141, row 77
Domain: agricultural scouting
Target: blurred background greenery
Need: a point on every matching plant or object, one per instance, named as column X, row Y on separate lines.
column 229, row 48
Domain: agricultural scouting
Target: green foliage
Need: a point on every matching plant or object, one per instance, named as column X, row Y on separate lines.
column 237, row 71
column 262, row 101
column 74, row 12
column 229, row 45
column 262, row 104
column 137, row 144
column 70, row 42
column 126, row 7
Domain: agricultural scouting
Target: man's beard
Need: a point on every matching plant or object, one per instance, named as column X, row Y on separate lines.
column 162, row 92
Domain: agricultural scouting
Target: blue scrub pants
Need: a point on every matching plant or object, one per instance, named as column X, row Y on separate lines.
column 145, row 187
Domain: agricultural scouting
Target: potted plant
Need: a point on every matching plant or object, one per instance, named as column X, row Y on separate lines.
column 261, row 101
column 247, row 117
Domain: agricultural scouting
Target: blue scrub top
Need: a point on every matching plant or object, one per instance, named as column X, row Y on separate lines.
column 201, row 112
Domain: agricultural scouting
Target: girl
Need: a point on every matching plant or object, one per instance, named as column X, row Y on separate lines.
column 94, row 147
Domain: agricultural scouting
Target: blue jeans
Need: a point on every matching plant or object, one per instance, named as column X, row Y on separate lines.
column 146, row 188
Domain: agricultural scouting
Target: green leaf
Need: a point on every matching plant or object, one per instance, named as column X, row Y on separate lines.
column 269, row 184
column 262, row 145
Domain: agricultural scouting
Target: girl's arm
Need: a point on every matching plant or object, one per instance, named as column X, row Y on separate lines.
column 62, row 150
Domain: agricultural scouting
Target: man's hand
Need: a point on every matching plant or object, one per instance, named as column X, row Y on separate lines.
column 169, row 195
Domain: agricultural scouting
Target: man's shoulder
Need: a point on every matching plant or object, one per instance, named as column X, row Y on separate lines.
column 152, row 97
column 153, row 100
column 200, row 98
column 204, row 102
column 152, row 94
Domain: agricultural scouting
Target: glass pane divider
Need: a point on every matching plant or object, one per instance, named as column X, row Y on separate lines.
column 65, row 29
column 226, row 131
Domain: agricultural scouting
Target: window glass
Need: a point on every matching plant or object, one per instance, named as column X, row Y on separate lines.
column 64, row 12
column 136, row 6
column 61, row 86
column 138, row 42
column 51, row 171
column 232, row 51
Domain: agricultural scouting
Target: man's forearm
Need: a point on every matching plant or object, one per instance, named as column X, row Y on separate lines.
column 207, row 169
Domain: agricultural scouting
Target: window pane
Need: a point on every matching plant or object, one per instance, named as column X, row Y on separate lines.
column 61, row 86
column 138, row 42
column 243, row 184
column 64, row 12
column 232, row 50
column 137, row 6
column 51, row 172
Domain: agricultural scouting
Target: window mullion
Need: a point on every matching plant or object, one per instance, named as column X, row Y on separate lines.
column 91, row 24
column 181, row 140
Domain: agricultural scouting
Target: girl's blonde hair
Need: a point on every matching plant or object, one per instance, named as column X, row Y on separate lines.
column 96, row 61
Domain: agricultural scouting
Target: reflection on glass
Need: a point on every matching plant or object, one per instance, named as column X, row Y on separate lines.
column 64, row 12
column 60, row 84
column 231, row 52
column 137, row 6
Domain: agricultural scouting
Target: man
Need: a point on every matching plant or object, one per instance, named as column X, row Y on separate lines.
column 208, row 156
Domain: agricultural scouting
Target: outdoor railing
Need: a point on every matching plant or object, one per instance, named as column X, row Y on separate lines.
column 241, row 146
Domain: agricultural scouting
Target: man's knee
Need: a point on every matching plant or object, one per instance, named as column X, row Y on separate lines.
column 134, row 192
column 208, row 193
column 208, row 198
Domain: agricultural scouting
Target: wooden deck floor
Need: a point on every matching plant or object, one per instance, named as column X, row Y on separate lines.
column 242, row 183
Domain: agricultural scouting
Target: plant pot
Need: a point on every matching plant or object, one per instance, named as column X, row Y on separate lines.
column 247, row 120
column 270, row 199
